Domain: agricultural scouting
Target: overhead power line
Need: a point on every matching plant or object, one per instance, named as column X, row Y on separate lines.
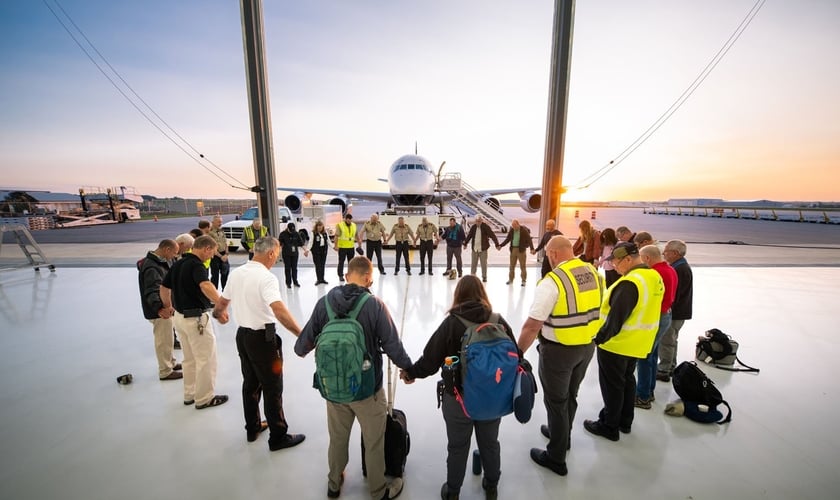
column 677, row 104
column 181, row 143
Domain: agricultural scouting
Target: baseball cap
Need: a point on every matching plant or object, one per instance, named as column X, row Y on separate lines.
column 622, row 250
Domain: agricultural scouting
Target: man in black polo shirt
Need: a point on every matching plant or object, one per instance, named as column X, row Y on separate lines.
column 187, row 288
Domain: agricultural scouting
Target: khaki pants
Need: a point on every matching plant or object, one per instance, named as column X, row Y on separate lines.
column 476, row 258
column 199, row 346
column 164, row 340
column 517, row 255
column 371, row 414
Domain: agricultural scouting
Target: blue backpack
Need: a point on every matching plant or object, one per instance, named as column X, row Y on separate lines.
column 489, row 364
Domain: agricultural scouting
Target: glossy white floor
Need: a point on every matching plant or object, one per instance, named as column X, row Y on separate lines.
column 69, row 431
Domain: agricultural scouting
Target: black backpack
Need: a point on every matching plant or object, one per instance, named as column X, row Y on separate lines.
column 695, row 389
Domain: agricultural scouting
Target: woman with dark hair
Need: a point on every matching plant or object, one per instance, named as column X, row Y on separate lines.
column 470, row 303
column 320, row 245
column 608, row 241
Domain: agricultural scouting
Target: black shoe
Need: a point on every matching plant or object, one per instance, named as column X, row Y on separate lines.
column 490, row 492
column 252, row 436
column 382, row 272
column 445, row 494
column 544, row 431
column 336, row 493
column 341, row 279
column 215, row 401
column 173, row 376
column 396, row 272
column 422, row 272
column 430, row 272
column 297, row 284
column 624, row 428
column 663, row 376
column 288, row 285
column 408, row 272
column 599, row 429
column 178, row 367
column 484, row 280
column 288, row 441
column 189, row 403
column 540, row 457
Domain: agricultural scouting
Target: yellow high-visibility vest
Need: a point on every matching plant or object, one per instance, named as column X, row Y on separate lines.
column 639, row 330
column 249, row 235
column 346, row 235
column 575, row 318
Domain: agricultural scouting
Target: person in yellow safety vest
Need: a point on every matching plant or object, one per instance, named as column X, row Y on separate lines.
column 345, row 240
column 251, row 234
column 630, row 312
column 565, row 316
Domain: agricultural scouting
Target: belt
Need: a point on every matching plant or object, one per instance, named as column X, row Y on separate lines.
column 193, row 313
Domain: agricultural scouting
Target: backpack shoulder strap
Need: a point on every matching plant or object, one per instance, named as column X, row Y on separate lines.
column 747, row 368
column 358, row 307
column 728, row 413
column 330, row 313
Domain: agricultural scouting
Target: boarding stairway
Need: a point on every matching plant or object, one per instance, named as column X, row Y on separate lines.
column 467, row 196
column 27, row 245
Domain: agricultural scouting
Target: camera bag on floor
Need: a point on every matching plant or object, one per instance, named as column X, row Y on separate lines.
column 699, row 392
column 721, row 351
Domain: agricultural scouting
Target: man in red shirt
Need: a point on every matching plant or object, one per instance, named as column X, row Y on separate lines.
column 646, row 368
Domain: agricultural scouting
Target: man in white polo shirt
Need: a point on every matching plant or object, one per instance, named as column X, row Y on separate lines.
column 255, row 293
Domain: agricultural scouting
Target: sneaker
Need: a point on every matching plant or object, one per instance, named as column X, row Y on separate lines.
column 288, row 441
column 663, row 376
column 541, row 458
column 599, row 429
column 336, row 493
column 642, row 403
column 394, row 489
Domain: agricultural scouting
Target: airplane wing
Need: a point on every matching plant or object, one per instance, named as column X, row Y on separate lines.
column 352, row 195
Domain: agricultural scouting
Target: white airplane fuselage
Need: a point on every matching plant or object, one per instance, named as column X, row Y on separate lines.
column 411, row 181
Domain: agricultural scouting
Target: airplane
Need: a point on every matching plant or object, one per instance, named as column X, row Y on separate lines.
column 412, row 182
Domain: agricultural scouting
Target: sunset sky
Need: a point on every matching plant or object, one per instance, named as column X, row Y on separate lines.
column 353, row 85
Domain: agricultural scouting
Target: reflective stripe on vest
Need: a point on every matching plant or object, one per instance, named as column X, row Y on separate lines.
column 575, row 319
column 346, row 235
column 639, row 330
column 249, row 234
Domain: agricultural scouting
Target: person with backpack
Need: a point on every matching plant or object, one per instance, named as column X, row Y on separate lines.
column 565, row 316
column 470, row 306
column 630, row 312
column 349, row 374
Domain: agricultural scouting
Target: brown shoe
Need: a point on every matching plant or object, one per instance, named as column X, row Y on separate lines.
column 173, row 376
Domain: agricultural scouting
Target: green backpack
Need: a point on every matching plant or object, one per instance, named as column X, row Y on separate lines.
column 343, row 367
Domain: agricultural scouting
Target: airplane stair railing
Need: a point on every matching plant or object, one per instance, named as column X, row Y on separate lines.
column 463, row 193
column 27, row 244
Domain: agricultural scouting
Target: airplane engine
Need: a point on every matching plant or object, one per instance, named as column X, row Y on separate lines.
column 530, row 202
column 295, row 201
column 494, row 203
column 340, row 201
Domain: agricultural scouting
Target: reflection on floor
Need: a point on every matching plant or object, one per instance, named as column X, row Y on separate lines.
column 69, row 431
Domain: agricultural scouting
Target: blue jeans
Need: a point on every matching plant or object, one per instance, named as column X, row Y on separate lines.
column 646, row 368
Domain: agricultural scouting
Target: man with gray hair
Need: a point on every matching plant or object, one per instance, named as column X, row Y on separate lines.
column 674, row 254
column 480, row 235
column 254, row 292
column 152, row 269
column 185, row 243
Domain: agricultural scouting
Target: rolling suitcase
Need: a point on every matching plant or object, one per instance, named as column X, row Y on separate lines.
column 397, row 438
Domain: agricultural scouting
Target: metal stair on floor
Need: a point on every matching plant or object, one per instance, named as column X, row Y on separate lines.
column 27, row 245
column 468, row 196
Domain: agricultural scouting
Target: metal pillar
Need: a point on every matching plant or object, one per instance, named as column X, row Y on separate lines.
column 253, row 39
column 558, row 97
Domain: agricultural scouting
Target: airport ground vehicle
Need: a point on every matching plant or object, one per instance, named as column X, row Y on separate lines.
column 233, row 229
column 330, row 215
